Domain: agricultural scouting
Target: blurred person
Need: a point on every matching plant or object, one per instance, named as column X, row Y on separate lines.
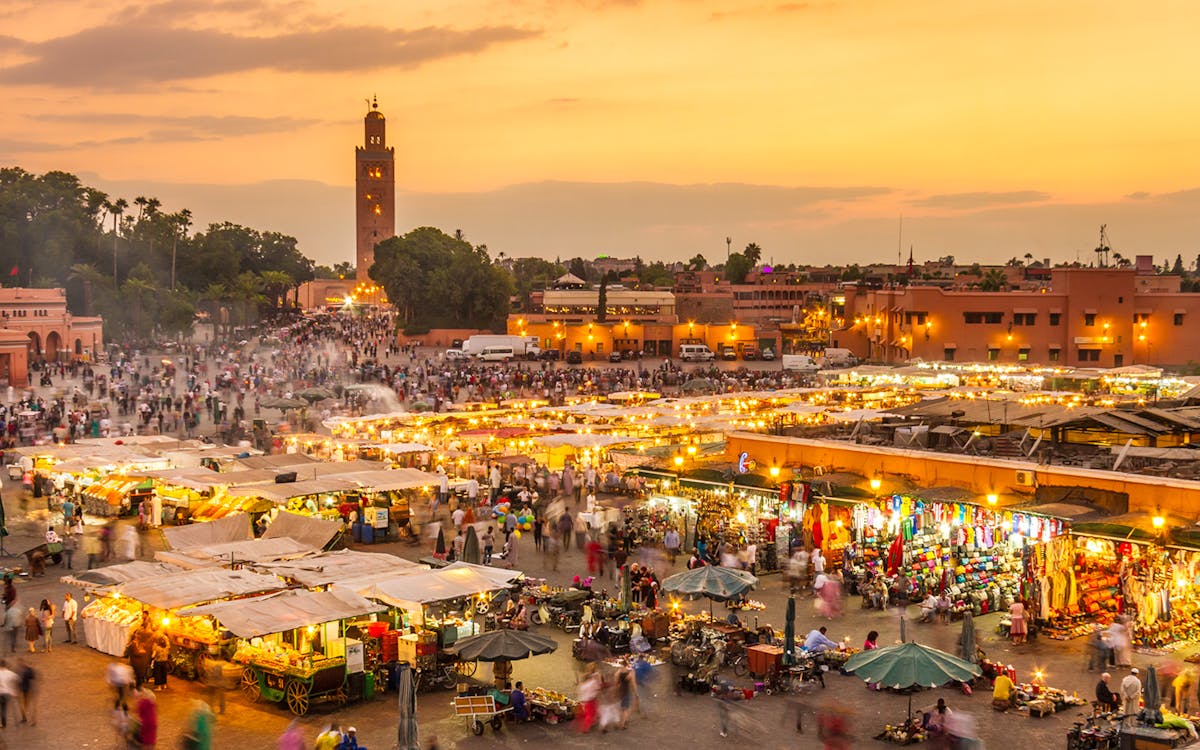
column 1182, row 685
column 9, row 690
column 147, row 716
column 119, row 677
column 1097, row 649
column 833, row 729
column 292, row 738
column 197, row 733
column 589, row 694
column 27, row 686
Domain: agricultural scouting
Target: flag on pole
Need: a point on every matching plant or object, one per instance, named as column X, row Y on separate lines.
column 13, row 272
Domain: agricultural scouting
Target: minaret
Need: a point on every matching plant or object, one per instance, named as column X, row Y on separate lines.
column 375, row 191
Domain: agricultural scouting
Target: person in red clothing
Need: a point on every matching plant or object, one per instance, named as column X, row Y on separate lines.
column 595, row 558
column 589, row 695
column 147, row 716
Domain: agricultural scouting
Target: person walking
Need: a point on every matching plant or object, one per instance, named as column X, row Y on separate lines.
column 69, row 545
column 9, row 689
column 70, row 615
column 147, row 715
column 564, row 527
column 160, row 658
column 1018, row 630
column 14, row 618
column 489, row 545
column 1182, row 684
column 1131, row 694
column 120, row 678
column 33, row 629
column 27, row 687
column 197, row 734
column 1097, row 649
column 91, row 548
column 46, row 620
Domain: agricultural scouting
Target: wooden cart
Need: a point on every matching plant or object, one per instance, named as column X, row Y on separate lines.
column 477, row 709
column 296, row 686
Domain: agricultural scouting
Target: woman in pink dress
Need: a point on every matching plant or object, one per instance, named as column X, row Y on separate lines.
column 1018, row 628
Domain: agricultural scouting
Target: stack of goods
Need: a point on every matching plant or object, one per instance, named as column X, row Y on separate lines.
column 1098, row 591
column 112, row 610
column 279, row 657
column 550, row 706
column 908, row 733
column 1066, row 627
column 193, row 632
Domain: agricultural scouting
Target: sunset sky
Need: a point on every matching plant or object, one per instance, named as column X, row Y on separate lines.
column 655, row 128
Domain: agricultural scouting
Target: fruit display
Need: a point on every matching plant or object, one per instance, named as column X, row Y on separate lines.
column 550, row 706
column 116, row 611
column 274, row 657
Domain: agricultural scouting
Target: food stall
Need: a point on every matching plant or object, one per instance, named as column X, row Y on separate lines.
column 293, row 646
column 193, row 639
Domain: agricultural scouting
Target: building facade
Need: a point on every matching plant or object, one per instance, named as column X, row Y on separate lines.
column 1083, row 317
column 374, row 191
column 36, row 327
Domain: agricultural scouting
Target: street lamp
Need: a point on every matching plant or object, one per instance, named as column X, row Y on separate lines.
column 678, row 460
column 1158, row 522
column 876, row 483
column 774, row 471
column 993, row 498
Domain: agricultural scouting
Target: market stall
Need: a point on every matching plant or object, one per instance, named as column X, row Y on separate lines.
column 293, row 646
column 157, row 599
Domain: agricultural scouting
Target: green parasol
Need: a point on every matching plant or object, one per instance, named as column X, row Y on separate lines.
column 910, row 665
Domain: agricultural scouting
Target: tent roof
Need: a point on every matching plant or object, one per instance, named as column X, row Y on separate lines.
column 335, row 567
column 396, row 449
column 314, row 532
column 502, row 577
column 410, row 591
column 121, row 573
column 392, row 479
column 281, row 493
column 275, row 461
column 188, row 587
column 246, row 550
column 232, row 528
column 583, row 440
column 286, row 610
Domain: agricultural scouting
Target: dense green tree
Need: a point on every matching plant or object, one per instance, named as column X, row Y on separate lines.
column 737, row 267
column 1178, row 267
column 437, row 280
column 697, row 263
column 753, row 253
column 533, row 274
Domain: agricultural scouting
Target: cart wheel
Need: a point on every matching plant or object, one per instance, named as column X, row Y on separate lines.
column 250, row 685
column 477, row 727
column 739, row 666
column 497, row 723
column 297, row 697
column 482, row 606
column 466, row 668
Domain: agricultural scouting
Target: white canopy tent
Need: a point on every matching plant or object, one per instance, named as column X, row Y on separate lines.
column 315, row 532
column 114, row 574
column 335, row 567
column 245, row 551
column 187, row 587
column 411, row 592
column 284, row 611
column 231, row 528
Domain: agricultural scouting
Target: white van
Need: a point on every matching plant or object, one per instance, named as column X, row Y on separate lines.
column 696, row 353
column 497, row 353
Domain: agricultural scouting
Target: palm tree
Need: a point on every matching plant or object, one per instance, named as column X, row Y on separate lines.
column 216, row 295
column 247, row 291
column 116, row 209
column 90, row 277
column 276, row 285
column 179, row 225
column 753, row 253
column 137, row 290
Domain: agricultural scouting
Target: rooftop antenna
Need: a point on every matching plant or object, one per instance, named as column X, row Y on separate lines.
column 1103, row 249
column 900, row 240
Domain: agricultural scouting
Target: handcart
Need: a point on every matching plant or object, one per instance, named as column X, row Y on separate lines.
column 296, row 686
column 477, row 709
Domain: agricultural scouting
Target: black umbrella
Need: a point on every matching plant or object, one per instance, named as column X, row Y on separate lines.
column 439, row 547
column 502, row 645
column 471, row 548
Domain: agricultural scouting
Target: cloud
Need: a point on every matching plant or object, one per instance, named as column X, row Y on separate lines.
column 965, row 201
column 138, row 54
column 1140, row 195
column 201, row 127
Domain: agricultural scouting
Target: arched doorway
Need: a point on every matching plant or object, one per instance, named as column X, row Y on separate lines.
column 35, row 345
column 53, row 345
column 78, row 347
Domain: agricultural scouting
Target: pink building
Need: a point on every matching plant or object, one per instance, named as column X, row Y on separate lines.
column 1090, row 317
column 35, row 326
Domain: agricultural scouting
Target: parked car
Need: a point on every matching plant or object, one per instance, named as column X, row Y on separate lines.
column 574, row 357
column 456, row 354
column 614, row 356
column 768, row 354
column 749, row 353
column 456, row 344
column 728, row 353
column 550, row 355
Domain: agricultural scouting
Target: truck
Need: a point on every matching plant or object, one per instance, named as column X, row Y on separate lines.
column 834, row 357
column 524, row 347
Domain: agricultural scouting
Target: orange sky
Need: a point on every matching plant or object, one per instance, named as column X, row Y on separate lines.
column 987, row 125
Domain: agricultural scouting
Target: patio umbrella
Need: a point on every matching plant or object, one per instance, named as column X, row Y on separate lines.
column 439, row 547
column 315, row 393
column 713, row 582
column 910, row 665
column 284, row 403
column 471, row 548
column 407, row 730
column 1151, row 698
column 789, row 631
column 903, row 629
column 966, row 642
column 502, row 645
column 700, row 384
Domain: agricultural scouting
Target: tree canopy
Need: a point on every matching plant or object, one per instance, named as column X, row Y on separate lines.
column 132, row 262
column 436, row 280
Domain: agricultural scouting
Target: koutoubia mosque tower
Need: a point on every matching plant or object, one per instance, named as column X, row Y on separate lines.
column 375, row 191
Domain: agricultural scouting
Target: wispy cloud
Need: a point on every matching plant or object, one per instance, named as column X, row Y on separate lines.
column 200, row 127
column 967, row 201
column 135, row 55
